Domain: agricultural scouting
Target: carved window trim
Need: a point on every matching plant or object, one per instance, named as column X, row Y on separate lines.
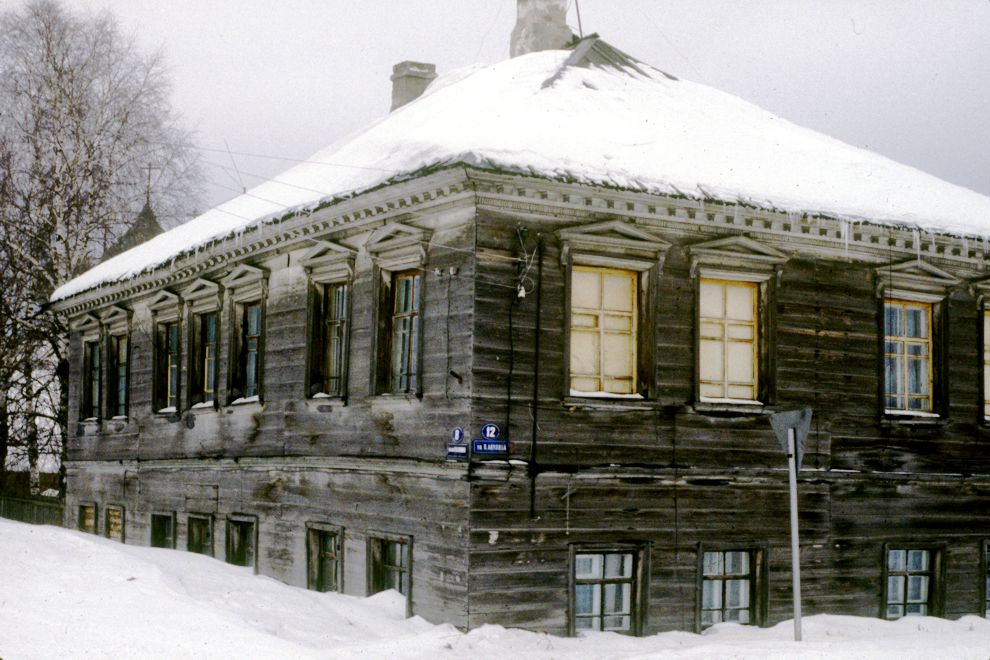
column 618, row 245
column 739, row 259
column 244, row 287
column 329, row 268
column 916, row 281
column 203, row 297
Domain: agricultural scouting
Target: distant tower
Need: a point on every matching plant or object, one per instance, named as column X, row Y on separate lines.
column 144, row 228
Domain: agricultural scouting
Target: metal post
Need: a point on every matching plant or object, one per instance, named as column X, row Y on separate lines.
column 795, row 545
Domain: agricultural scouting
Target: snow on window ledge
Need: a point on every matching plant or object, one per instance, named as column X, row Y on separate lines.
column 91, row 420
column 921, row 414
column 323, row 395
column 730, row 402
column 165, row 411
column 604, row 395
column 119, row 418
column 203, row 404
column 245, row 399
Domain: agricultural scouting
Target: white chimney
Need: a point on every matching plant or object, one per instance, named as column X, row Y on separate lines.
column 540, row 25
column 409, row 81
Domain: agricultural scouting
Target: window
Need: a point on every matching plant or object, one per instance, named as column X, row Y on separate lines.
column 911, row 581
column 329, row 337
column 119, row 373
column 986, row 364
column 241, row 541
column 907, row 356
column 167, row 367
column 87, row 518
column 162, row 530
column 323, row 546
column 93, row 382
column 199, row 534
column 404, row 332
column 728, row 340
column 389, row 565
column 603, row 331
column 246, row 379
column 115, row 523
column 732, row 587
column 604, row 587
column 203, row 369
column 986, row 578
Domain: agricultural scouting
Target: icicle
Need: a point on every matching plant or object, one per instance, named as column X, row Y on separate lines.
column 965, row 246
column 844, row 230
column 916, row 239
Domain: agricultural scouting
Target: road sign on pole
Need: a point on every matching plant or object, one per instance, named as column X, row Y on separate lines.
column 791, row 429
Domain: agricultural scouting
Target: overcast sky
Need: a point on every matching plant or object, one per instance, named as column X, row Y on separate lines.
column 909, row 79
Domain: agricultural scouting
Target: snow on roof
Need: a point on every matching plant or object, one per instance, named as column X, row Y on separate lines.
column 630, row 127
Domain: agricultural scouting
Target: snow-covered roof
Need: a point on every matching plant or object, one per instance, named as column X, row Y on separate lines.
column 596, row 120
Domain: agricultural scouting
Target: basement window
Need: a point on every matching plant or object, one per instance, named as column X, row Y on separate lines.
column 163, row 530
column 389, row 564
column 986, row 578
column 911, row 584
column 732, row 587
column 87, row 518
column 323, row 545
column 241, row 540
column 604, row 591
column 199, row 534
column 115, row 523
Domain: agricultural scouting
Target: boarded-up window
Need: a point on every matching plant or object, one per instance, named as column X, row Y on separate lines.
column 727, row 587
column 115, row 523
column 199, row 535
column 603, row 331
column 907, row 356
column 328, row 339
column 324, row 559
column 728, row 340
column 162, row 530
column 240, row 542
column 87, row 518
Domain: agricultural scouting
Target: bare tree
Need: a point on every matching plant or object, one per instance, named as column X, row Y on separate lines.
column 85, row 121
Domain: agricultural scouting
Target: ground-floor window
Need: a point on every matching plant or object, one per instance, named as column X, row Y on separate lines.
column 87, row 518
column 162, row 530
column 389, row 564
column 241, row 541
column 199, row 534
column 911, row 584
column 323, row 548
column 603, row 591
column 115, row 523
column 986, row 579
column 731, row 584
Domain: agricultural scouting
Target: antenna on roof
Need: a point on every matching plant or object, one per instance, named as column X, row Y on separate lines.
column 577, row 8
column 147, row 190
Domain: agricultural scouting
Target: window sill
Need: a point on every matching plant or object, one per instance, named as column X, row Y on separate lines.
column 716, row 406
column 170, row 410
column 594, row 401
column 911, row 418
column 246, row 400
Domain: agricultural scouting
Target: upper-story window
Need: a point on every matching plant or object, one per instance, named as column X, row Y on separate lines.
column 248, row 289
column 611, row 267
column 986, row 364
column 728, row 340
column 603, row 335
column 167, row 367
column 206, row 346
column 119, row 369
column 912, row 308
column 736, row 278
column 92, row 381
column 907, row 356
column 330, row 311
column 404, row 332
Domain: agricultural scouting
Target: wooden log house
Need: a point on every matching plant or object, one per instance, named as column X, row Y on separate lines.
column 284, row 398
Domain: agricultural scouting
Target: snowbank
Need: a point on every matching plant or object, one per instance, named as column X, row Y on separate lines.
column 67, row 594
column 597, row 126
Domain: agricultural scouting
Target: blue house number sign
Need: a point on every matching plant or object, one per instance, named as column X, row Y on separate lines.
column 490, row 432
column 490, row 442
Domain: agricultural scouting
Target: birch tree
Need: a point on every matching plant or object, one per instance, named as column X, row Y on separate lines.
column 87, row 133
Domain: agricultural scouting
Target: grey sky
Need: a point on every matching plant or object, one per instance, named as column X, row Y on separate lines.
column 909, row 79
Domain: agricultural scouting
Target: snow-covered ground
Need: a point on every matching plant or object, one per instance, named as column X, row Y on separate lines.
column 65, row 594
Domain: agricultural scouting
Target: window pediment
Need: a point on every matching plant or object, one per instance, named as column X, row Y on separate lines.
column 165, row 305
column 327, row 261
column 914, row 280
column 734, row 255
column 87, row 323
column 245, row 281
column 202, row 294
column 115, row 317
column 612, row 238
column 397, row 246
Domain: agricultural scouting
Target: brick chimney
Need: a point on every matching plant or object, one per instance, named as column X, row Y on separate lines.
column 409, row 81
column 540, row 25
